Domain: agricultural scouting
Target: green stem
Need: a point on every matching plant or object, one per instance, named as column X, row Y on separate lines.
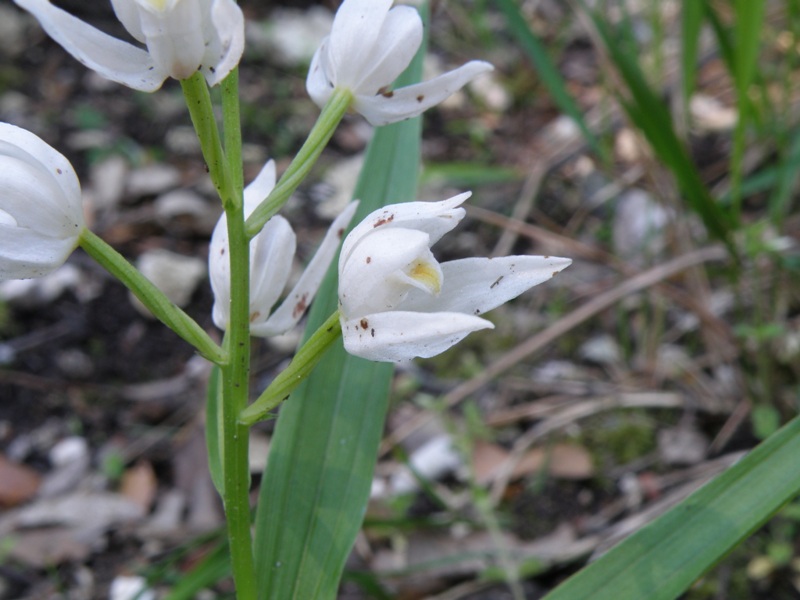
column 320, row 135
column 232, row 128
column 226, row 173
column 235, row 392
column 301, row 366
column 198, row 100
column 152, row 297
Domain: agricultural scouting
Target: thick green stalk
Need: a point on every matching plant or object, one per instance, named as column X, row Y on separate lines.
column 226, row 173
column 152, row 297
column 198, row 100
column 235, row 392
column 320, row 135
column 232, row 128
column 301, row 366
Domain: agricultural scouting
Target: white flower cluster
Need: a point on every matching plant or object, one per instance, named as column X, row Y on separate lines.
column 396, row 300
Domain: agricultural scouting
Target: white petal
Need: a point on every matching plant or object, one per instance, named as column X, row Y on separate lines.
column 22, row 144
column 413, row 100
column 261, row 187
column 112, row 58
column 271, row 255
column 477, row 285
column 175, row 38
column 318, row 84
column 289, row 312
column 372, row 280
column 32, row 198
column 355, row 31
column 219, row 272
column 400, row 336
column 225, row 42
column 127, row 12
column 398, row 42
column 433, row 218
column 26, row 253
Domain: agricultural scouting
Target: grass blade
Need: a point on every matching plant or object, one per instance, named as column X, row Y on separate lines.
column 663, row 559
column 649, row 113
column 550, row 75
column 692, row 16
column 749, row 21
column 319, row 473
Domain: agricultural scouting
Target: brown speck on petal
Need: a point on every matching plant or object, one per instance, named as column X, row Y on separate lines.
column 420, row 98
column 383, row 221
column 254, row 316
column 301, row 306
column 369, row 259
column 364, row 323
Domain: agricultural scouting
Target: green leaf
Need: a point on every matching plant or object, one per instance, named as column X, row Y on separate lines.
column 318, row 478
column 663, row 559
column 649, row 113
column 214, row 429
column 548, row 72
column 692, row 16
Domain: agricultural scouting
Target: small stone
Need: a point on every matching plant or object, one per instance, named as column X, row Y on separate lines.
column 75, row 363
column 152, row 180
column 174, row 274
column 107, row 178
column 185, row 209
column 18, row 483
column 639, row 227
column 682, row 446
column 130, row 587
column 291, row 35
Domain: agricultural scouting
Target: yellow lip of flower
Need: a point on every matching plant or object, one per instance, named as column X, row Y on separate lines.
column 427, row 275
column 160, row 5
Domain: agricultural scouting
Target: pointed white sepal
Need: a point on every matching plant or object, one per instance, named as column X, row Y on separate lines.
column 370, row 45
column 179, row 38
column 396, row 302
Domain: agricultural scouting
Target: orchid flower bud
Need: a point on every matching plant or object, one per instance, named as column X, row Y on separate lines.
column 368, row 48
column 272, row 251
column 397, row 302
column 41, row 214
column 180, row 37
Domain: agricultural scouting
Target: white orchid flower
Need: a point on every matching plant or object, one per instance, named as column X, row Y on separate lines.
column 397, row 302
column 41, row 214
column 368, row 48
column 271, row 255
column 180, row 36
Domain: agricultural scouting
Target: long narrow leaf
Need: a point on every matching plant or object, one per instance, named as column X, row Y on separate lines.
column 316, row 486
column 550, row 75
column 663, row 559
column 692, row 14
column 649, row 113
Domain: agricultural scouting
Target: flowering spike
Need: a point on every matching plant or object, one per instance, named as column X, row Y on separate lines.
column 396, row 302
